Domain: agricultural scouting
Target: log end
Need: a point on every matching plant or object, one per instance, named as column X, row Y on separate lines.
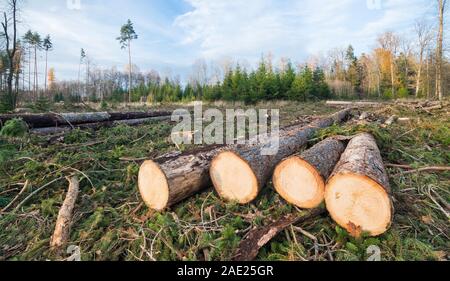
column 299, row 183
column 358, row 204
column 153, row 186
column 233, row 178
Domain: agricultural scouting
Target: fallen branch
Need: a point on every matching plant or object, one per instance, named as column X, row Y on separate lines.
column 62, row 230
column 35, row 192
column 25, row 186
column 257, row 238
column 419, row 170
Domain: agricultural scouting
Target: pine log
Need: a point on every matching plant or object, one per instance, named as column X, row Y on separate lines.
column 70, row 119
column 239, row 174
column 96, row 126
column 300, row 179
column 172, row 178
column 358, row 194
column 61, row 234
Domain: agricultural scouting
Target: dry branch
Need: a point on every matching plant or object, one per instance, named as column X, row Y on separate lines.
column 61, row 234
column 257, row 238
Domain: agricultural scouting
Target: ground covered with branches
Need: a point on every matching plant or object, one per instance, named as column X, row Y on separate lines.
column 111, row 223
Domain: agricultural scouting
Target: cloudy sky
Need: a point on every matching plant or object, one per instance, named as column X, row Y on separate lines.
column 175, row 33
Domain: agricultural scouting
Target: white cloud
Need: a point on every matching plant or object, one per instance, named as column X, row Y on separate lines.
column 247, row 28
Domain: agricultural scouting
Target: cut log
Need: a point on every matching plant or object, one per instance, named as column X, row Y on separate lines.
column 239, row 174
column 358, row 194
column 300, row 180
column 172, row 178
column 96, row 126
column 69, row 119
column 61, row 234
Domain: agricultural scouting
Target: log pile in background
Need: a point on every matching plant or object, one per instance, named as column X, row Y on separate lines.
column 240, row 173
column 68, row 119
column 96, row 126
column 300, row 179
column 52, row 123
column 358, row 194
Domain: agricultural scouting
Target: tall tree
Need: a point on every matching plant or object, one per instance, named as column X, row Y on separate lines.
column 128, row 34
column 36, row 42
column 439, row 50
column 424, row 37
column 82, row 57
column 28, row 38
column 390, row 42
column 48, row 46
column 9, row 33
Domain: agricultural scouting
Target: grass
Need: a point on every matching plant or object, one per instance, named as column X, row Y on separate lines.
column 111, row 223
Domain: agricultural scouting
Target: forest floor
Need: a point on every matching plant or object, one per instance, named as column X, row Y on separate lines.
column 111, row 223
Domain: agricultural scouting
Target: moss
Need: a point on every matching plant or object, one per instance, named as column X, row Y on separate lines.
column 108, row 225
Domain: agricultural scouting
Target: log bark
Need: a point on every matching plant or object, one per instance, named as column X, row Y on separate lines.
column 68, row 119
column 240, row 174
column 358, row 194
column 300, row 179
column 174, row 177
column 96, row 126
column 61, row 234
column 257, row 238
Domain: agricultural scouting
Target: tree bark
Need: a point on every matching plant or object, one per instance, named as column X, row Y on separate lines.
column 358, row 194
column 300, row 179
column 439, row 51
column 61, row 234
column 240, row 174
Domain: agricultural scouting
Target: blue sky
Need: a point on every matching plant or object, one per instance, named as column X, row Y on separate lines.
column 175, row 33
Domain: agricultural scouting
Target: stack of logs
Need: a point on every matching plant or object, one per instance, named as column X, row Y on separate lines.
column 55, row 123
column 347, row 174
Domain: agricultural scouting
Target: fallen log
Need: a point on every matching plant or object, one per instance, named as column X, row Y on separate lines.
column 70, row 119
column 172, row 178
column 257, row 238
column 61, row 235
column 96, row 126
column 354, row 104
column 300, row 179
column 240, row 173
column 358, row 194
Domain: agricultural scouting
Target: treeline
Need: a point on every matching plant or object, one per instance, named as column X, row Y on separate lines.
column 397, row 67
